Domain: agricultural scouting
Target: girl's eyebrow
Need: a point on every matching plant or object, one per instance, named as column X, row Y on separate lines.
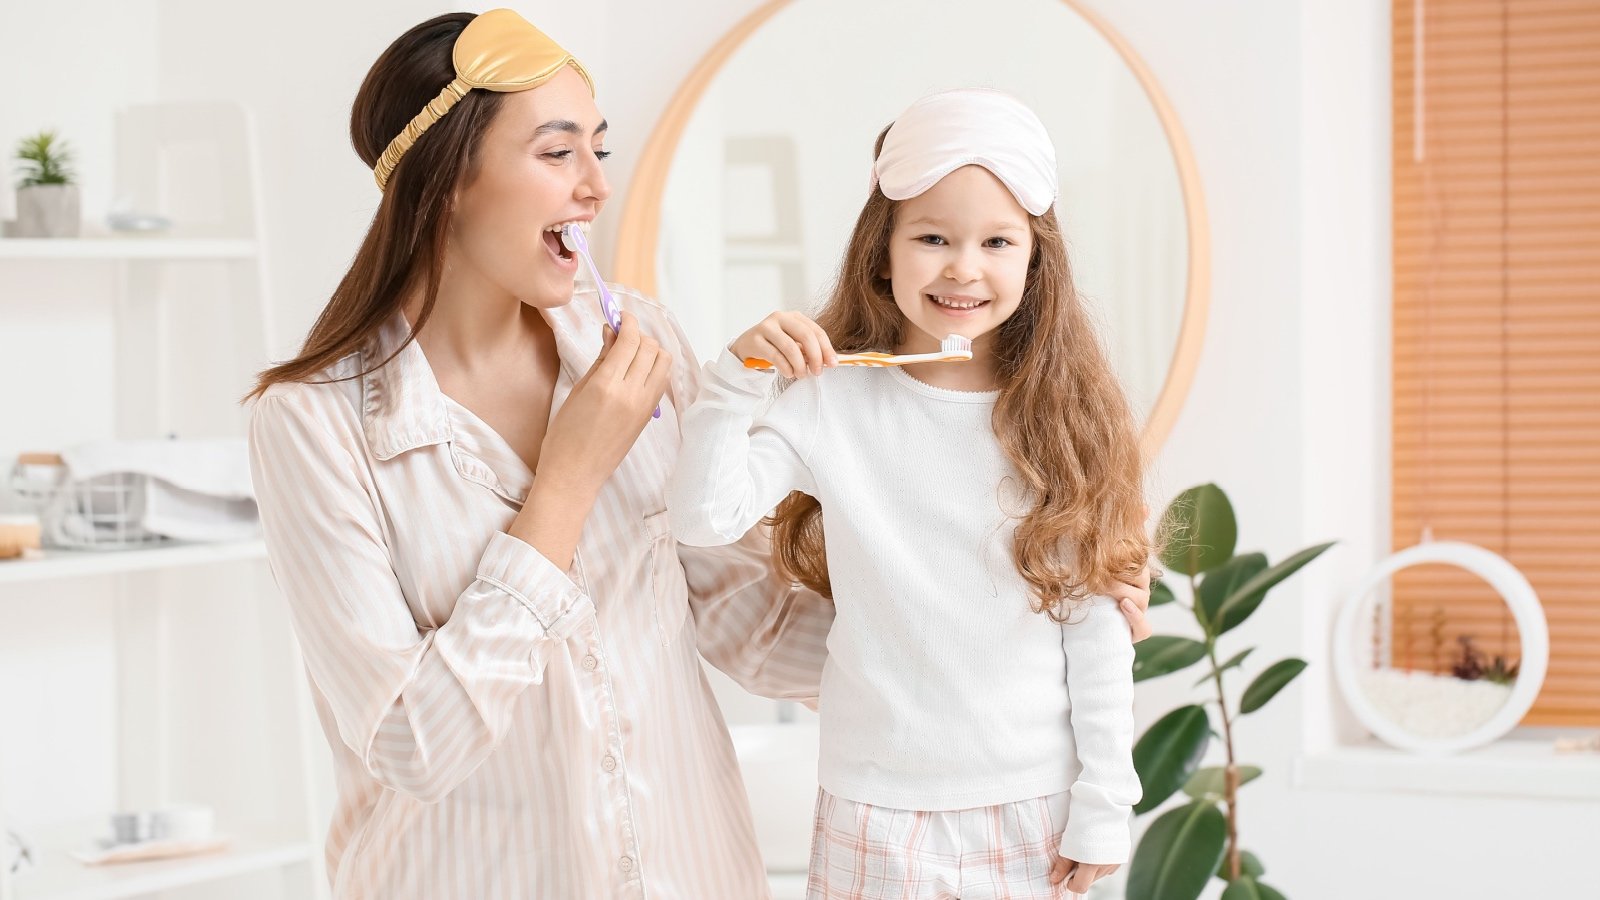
column 1000, row 225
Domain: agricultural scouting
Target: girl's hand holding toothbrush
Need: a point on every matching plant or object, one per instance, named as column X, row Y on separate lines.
column 796, row 345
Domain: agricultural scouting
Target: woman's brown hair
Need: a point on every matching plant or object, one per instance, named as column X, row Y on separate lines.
column 403, row 250
column 1062, row 420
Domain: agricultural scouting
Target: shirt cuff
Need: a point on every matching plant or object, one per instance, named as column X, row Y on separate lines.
column 543, row 590
column 1102, row 849
column 730, row 370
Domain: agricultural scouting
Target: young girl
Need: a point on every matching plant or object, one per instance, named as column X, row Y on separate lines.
column 976, row 704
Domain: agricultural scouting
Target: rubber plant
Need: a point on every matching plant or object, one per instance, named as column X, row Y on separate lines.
column 1197, row 838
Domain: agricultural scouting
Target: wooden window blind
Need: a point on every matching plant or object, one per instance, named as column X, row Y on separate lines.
column 1496, row 392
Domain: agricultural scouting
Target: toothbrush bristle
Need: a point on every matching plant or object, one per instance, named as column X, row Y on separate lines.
column 571, row 236
column 955, row 343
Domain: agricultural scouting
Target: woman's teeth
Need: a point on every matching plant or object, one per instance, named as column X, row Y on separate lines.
column 956, row 303
column 561, row 226
column 559, row 242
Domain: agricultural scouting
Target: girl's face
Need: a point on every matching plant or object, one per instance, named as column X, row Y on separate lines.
column 538, row 166
column 958, row 259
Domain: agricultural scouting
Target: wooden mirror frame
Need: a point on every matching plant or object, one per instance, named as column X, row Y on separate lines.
column 635, row 257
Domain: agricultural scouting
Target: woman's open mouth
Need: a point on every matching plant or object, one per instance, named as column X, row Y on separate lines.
column 564, row 258
column 558, row 251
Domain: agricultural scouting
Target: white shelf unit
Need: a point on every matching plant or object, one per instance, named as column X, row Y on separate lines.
column 207, row 697
column 129, row 248
column 54, row 564
column 62, row 877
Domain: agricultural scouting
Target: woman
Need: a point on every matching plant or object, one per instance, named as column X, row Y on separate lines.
column 505, row 665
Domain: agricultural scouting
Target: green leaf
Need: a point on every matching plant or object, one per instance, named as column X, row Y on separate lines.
column 1248, row 888
column 1161, row 594
column 1176, row 857
column 1230, row 664
column 1244, row 599
column 1200, row 530
column 1167, row 755
column 1249, row 866
column 1220, row 584
column 1269, row 683
column 1164, row 654
column 45, row 160
column 1211, row 782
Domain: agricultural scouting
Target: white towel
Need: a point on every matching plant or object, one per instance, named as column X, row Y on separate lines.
column 188, row 490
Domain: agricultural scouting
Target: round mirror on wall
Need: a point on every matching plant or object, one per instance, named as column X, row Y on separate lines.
column 747, row 192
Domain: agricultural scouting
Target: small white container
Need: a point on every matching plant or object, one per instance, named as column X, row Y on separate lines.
column 183, row 823
column 131, row 827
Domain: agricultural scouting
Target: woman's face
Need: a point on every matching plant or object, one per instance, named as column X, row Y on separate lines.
column 538, row 167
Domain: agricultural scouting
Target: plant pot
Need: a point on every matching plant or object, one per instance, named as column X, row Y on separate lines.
column 47, row 211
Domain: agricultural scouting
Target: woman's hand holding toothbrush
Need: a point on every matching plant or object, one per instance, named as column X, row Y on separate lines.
column 588, row 438
column 795, row 344
column 607, row 409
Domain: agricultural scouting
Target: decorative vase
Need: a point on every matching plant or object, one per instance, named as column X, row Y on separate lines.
column 47, row 211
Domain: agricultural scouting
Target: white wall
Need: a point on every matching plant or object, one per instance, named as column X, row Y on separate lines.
column 67, row 66
column 1286, row 107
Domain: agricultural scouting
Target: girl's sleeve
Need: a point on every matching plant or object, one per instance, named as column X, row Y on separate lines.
column 766, row 632
column 1099, row 652
column 741, row 455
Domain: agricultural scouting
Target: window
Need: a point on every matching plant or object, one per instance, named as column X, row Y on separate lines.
column 1496, row 431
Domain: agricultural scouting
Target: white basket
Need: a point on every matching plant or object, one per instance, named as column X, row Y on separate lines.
column 101, row 513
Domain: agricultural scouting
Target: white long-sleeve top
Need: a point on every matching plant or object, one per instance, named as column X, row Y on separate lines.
column 503, row 729
column 942, row 689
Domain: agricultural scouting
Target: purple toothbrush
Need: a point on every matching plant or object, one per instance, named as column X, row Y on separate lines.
column 572, row 237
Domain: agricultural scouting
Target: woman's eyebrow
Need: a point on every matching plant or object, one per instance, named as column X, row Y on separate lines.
column 568, row 126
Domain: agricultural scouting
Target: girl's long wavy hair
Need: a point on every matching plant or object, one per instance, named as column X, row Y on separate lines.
column 1062, row 420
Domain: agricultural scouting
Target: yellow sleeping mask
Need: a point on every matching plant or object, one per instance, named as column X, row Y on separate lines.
column 497, row 51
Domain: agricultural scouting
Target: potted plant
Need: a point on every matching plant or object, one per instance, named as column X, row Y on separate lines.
column 1199, row 839
column 47, row 196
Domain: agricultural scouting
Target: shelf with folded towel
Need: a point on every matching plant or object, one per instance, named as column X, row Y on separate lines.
column 54, row 564
column 61, row 877
column 155, row 248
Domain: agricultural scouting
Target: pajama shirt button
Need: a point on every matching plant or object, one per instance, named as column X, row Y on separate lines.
column 590, row 663
column 626, row 863
column 609, row 764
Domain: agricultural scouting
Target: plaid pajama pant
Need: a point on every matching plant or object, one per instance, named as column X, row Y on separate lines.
column 863, row 852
